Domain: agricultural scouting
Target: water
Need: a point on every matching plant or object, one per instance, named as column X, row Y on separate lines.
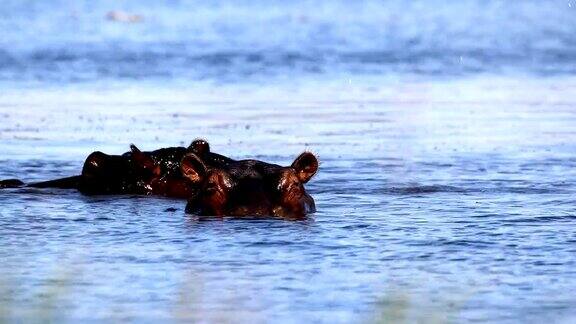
column 445, row 133
column 225, row 41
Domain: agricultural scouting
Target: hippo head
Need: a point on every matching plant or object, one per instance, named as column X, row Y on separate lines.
column 154, row 177
column 251, row 187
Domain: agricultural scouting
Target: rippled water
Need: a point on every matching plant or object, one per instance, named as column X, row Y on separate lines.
column 446, row 134
column 470, row 199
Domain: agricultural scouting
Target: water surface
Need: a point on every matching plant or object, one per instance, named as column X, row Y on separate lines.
column 445, row 133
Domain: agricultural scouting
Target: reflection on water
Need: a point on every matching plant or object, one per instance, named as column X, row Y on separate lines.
column 467, row 198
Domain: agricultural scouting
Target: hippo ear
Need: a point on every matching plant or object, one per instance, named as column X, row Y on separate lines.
column 306, row 166
column 193, row 168
column 144, row 162
column 199, row 147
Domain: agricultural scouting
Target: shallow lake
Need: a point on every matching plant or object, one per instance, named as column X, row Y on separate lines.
column 446, row 135
column 461, row 208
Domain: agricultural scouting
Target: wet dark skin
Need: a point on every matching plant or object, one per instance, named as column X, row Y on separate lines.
column 135, row 172
column 162, row 169
column 214, row 185
column 251, row 187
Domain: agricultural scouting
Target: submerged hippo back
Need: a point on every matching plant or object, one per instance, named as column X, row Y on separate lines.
column 109, row 174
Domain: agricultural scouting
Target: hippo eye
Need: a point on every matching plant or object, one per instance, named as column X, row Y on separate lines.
column 288, row 183
column 211, row 187
column 227, row 182
column 218, row 181
column 291, row 186
column 282, row 184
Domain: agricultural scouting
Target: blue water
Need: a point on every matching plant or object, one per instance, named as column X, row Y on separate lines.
column 445, row 133
column 239, row 41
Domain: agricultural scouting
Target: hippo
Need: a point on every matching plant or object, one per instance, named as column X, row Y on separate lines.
column 250, row 187
column 213, row 184
column 160, row 170
column 135, row 172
